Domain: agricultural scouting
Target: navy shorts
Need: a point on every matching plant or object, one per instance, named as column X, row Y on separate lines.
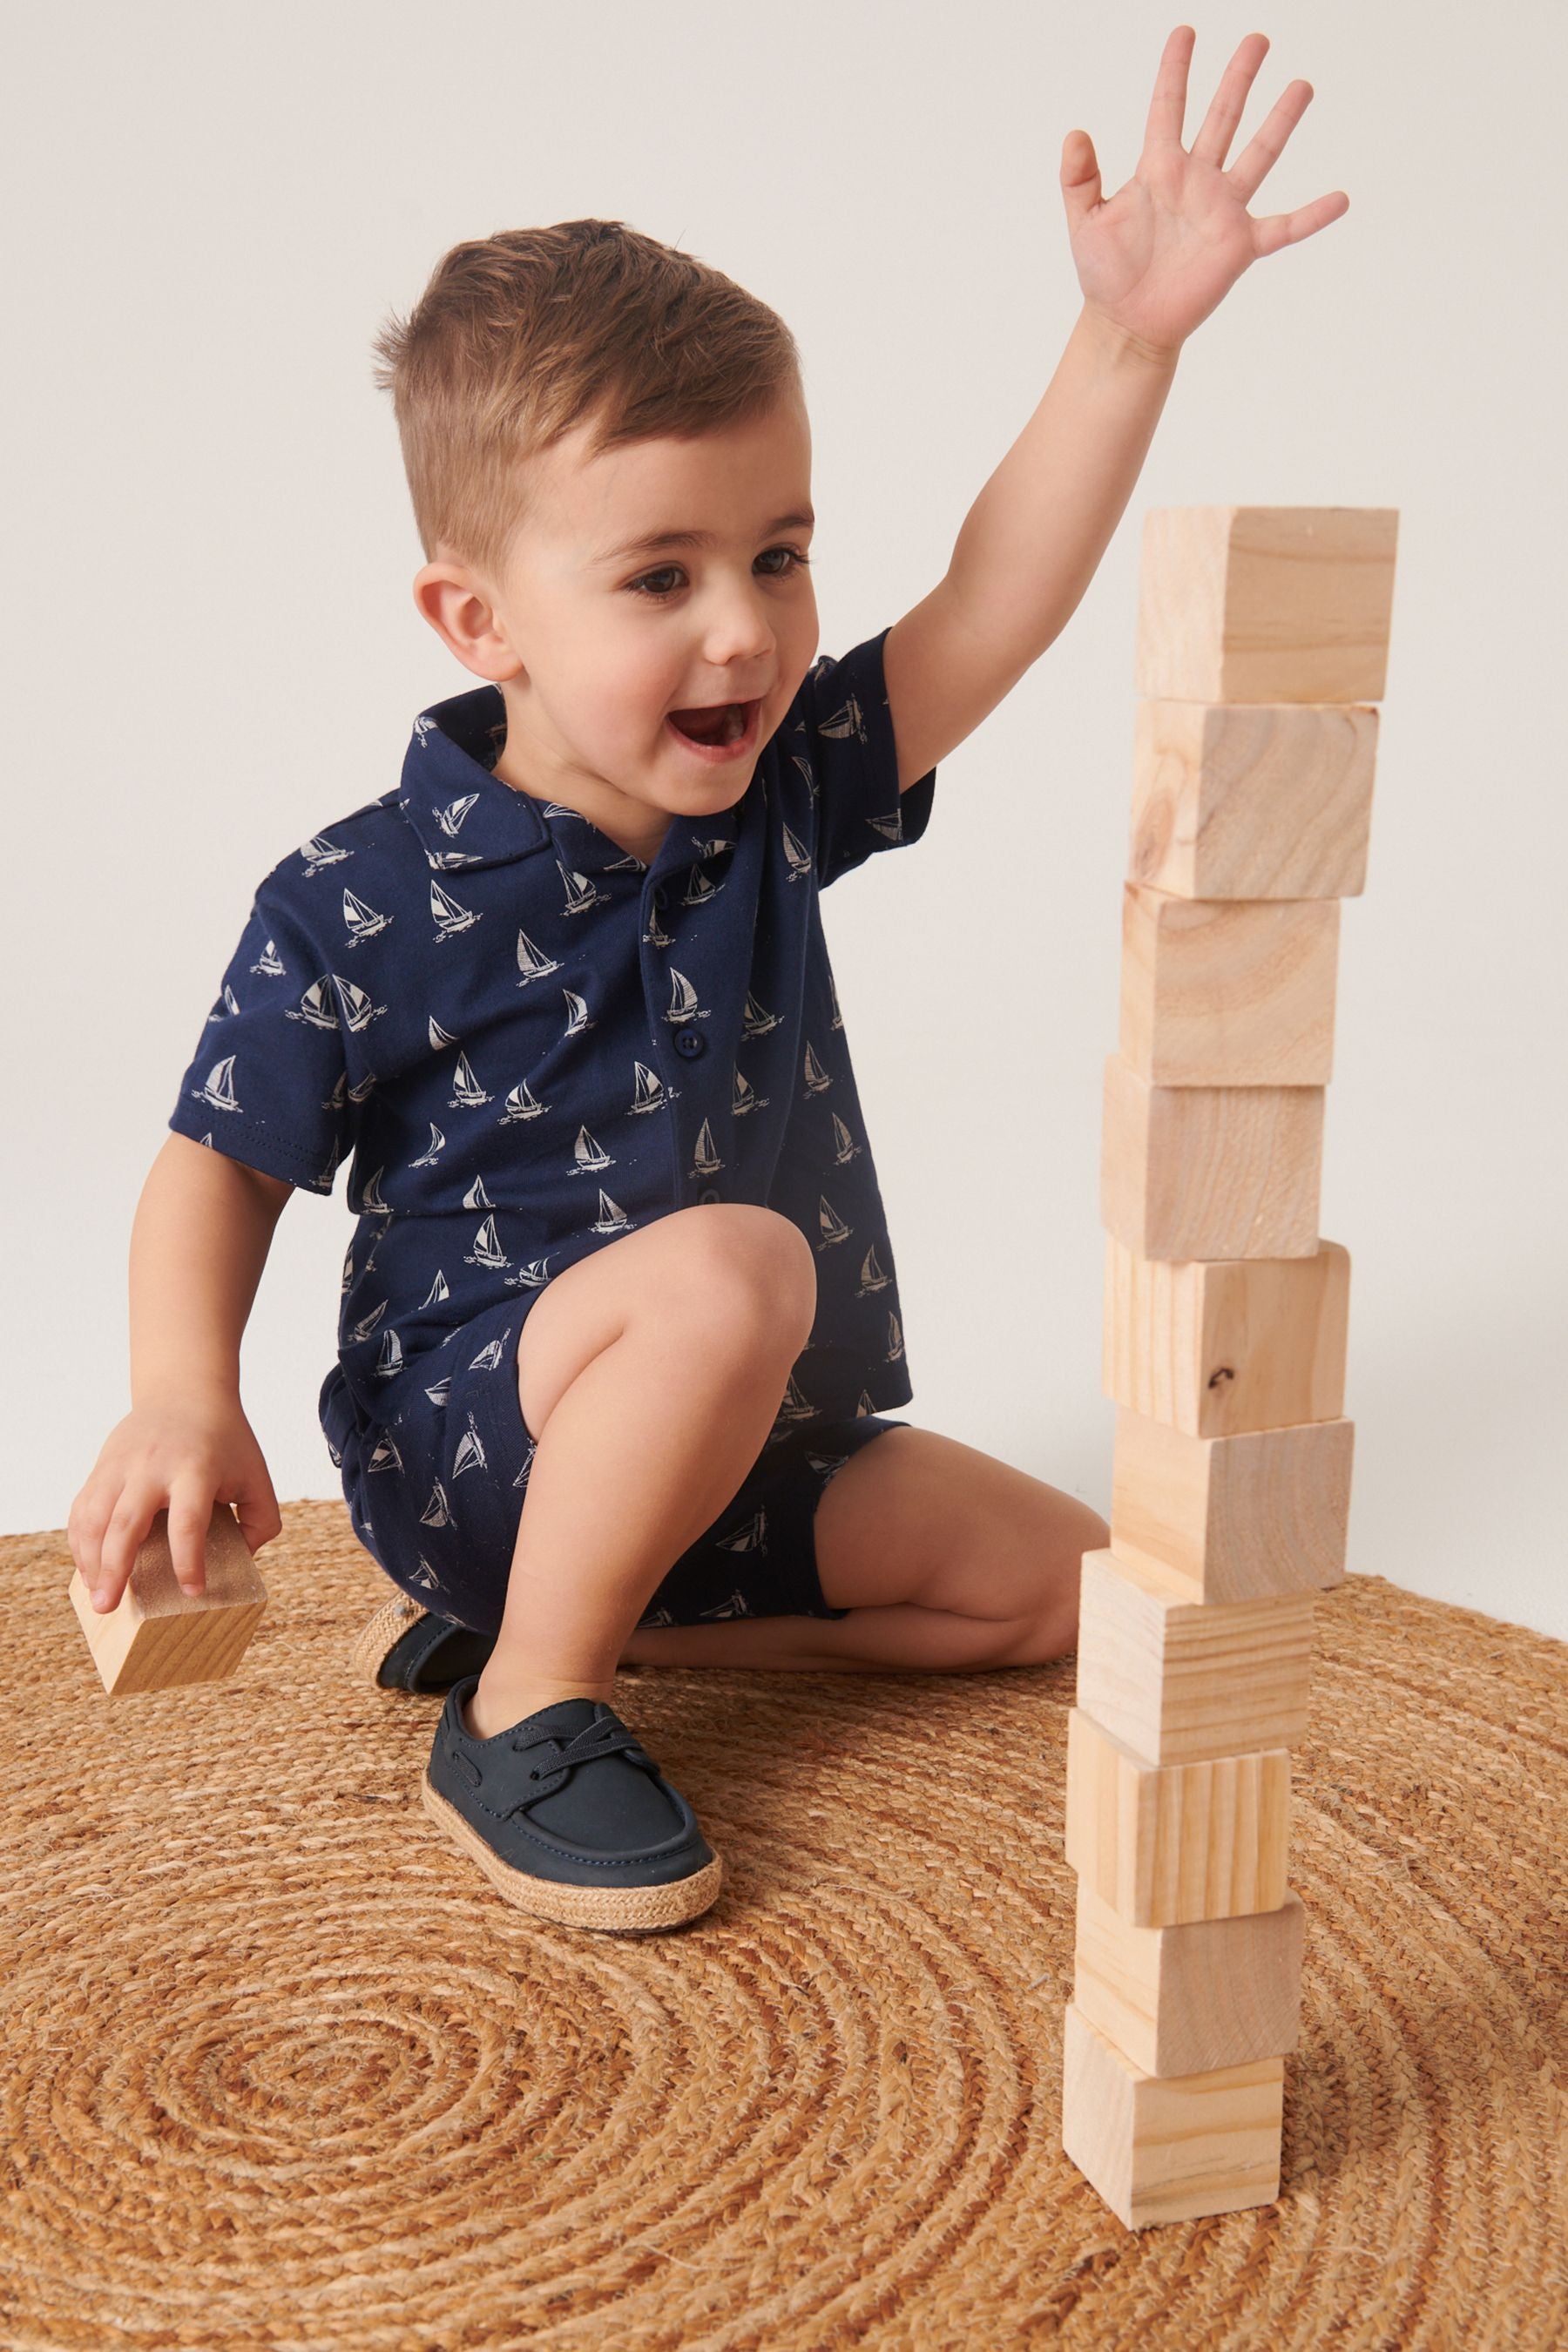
column 436, row 1490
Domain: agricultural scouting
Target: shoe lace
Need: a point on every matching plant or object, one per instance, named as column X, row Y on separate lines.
column 607, row 1737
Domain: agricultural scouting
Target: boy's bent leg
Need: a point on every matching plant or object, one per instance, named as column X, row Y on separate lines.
column 947, row 1561
column 650, row 1374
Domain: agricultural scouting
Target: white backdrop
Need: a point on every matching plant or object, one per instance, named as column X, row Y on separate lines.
column 211, row 650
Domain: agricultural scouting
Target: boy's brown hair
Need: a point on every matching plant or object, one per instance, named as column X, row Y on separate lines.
column 520, row 336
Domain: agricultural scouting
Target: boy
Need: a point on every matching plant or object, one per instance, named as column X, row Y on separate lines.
column 563, row 991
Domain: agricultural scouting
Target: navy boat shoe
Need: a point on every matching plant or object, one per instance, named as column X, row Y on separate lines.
column 407, row 1648
column 570, row 1818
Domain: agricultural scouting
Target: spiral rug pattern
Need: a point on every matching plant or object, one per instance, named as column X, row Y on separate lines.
column 281, row 2070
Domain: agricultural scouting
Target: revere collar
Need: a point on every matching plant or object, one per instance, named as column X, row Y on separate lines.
column 466, row 817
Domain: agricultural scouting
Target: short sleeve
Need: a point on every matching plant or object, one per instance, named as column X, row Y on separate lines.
column 854, row 761
column 267, row 1083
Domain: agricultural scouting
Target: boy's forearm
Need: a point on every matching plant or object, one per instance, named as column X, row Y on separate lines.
column 201, row 1231
column 1031, row 541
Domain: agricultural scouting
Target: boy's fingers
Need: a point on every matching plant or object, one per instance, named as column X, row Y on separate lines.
column 190, row 1515
column 122, row 1538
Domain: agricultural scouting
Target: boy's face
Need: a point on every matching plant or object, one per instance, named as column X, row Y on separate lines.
column 592, row 647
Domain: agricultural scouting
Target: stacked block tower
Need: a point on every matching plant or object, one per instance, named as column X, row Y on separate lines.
column 1262, row 644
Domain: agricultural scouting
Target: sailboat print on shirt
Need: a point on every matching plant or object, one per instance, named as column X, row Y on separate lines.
column 577, row 1007
column 795, row 1406
column 833, row 1227
column 650, row 1094
column 370, row 1200
column 837, row 1020
column 581, row 894
column 846, row 720
column 470, row 1095
column 703, row 888
column 755, row 1021
column 816, row 1078
column 613, row 1218
column 436, row 1390
column 895, row 1339
column 436, row 1292
column 316, row 1007
column 450, row 818
column 492, row 1355
column 436, row 1512
column 737, row 1605
column 872, row 1275
column 531, row 962
column 533, row 1275
column 796, row 856
column 268, row 962
column 475, row 1197
column 745, row 1097
column 891, row 828
column 486, row 1249
column 747, row 1538
column 390, row 1360
column 448, row 916
column 470, row 1453
column 705, row 1159
column 439, row 1037
column 437, row 1143
column 847, row 1146
column 683, row 1005
column 218, row 1089
column 425, row 1576
column 363, row 921
column 655, row 936
column 384, row 1455
column 319, row 851
column 588, row 1154
column 357, row 1009
column 520, row 1103
column 366, row 1325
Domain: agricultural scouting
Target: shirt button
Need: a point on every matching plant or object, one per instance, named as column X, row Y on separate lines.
column 688, row 1041
column 708, row 1192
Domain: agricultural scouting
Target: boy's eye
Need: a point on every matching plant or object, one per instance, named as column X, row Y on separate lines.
column 640, row 587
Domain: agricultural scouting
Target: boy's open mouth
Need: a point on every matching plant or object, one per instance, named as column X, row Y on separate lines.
column 721, row 726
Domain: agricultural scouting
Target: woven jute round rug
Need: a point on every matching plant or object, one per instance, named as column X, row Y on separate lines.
column 281, row 2070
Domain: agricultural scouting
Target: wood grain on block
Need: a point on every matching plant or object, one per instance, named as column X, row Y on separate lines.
column 1210, row 1171
column 1171, row 2148
column 1264, row 1512
column 1217, row 1345
column 1266, row 603
column 1175, row 1679
column 1163, row 1843
column 1228, row 993
column 159, row 1638
column 1252, row 800
column 1181, row 2000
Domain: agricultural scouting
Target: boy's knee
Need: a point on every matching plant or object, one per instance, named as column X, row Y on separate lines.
column 748, row 1265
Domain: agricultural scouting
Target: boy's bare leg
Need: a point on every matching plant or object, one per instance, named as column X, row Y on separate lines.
column 650, row 1374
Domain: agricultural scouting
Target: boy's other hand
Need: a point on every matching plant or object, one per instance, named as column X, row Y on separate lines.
column 185, row 1454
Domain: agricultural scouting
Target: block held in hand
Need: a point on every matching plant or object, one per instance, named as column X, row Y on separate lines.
column 158, row 1637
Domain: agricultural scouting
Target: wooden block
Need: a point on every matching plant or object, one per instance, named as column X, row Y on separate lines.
column 1182, row 2001
column 1252, row 801
column 157, row 1637
column 1266, row 603
column 1169, row 1843
column 1217, row 1345
column 1210, row 1171
column 1266, row 1511
column 1175, row 1679
column 1228, row 993
column 1171, row 2149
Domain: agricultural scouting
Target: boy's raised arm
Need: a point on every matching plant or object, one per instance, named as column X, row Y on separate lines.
column 1152, row 262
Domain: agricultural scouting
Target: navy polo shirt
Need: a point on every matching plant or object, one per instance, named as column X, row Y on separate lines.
column 531, row 1042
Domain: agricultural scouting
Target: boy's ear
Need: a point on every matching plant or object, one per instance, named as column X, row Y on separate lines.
column 448, row 596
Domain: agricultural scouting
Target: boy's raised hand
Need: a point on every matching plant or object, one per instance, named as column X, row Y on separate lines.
column 1164, row 252
column 186, row 1455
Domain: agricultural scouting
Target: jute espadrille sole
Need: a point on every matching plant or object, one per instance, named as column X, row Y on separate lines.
column 623, row 1910
column 390, row 1623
